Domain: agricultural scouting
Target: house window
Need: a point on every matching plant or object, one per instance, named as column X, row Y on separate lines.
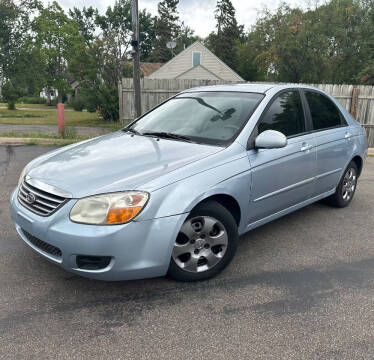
column 196, row 56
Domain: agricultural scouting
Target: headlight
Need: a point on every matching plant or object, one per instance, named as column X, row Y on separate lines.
column 114, row 208
column 21, row 176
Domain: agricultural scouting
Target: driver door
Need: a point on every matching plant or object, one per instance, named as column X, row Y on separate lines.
column 284, row 177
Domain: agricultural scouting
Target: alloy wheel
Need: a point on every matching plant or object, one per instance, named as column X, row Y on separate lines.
column 349, row 184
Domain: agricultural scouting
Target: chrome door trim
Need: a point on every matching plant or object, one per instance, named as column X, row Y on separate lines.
column 328, row 173
column 288, row 210
column 287, row 188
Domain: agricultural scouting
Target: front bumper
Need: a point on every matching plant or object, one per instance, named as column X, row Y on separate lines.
column 139, row 249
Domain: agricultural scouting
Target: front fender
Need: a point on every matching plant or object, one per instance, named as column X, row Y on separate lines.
column 231, row 179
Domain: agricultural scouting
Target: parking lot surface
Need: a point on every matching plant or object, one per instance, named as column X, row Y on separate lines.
column 301, row 287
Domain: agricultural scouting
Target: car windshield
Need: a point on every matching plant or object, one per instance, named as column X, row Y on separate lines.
column 205, row 117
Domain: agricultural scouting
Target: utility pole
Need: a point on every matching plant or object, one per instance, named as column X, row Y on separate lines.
column 135, row 54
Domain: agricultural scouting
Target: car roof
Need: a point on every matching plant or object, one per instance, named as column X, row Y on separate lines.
column 248, row 87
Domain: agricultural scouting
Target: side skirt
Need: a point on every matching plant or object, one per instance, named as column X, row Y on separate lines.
column 287, row 211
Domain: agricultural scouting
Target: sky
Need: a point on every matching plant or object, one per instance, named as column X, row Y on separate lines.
column 197, row 14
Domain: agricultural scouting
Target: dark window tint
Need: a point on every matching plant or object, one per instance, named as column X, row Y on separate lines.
column 285, row 115
column 324, row 113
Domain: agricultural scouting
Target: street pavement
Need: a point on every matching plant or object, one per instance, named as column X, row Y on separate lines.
column 301, row 287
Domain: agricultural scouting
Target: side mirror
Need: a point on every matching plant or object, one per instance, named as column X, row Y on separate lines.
column 270, row 139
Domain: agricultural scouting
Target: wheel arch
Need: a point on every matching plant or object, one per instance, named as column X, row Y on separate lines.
column 359, row 163
column 227, row 201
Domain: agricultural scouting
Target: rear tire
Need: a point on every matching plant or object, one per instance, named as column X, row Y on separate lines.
column 205, row 244
column 346, row 188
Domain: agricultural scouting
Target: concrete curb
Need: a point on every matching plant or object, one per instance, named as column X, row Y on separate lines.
column 35, row 141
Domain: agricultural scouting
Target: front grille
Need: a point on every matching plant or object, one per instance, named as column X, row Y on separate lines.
column 39, row 201
column 40, row 244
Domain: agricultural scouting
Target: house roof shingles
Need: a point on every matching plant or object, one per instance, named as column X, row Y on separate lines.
column 148, row 68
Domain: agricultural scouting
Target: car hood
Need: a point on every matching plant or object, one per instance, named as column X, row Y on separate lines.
column 115, row 162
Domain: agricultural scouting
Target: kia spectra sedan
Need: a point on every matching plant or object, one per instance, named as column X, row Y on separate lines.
column 172, row 192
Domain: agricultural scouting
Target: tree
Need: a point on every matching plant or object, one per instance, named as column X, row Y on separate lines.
column 167, row 28
column 86, row 22
column 366, row 76
column 11, row 93
column 98, row 65
column 25, row 65
column 14, row 38
column 8, row 17
column 185, row 38
column 222, row 42
column 325, row 44
column 342, row 21
column 57, row 37
column 146, row 34
column 116, row 36
column 289, row 44
column 246, row 63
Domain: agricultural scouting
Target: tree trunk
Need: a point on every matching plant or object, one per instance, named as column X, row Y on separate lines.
column 59, row 97
column 1, row 80
column 48, row 91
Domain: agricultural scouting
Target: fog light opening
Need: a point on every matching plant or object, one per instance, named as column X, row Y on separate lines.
column 86, row 262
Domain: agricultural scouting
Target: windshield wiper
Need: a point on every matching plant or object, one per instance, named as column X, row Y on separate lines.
column 167, row 135
column 131, row 130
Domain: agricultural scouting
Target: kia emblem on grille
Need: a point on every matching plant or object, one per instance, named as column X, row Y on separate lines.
column 30, row 198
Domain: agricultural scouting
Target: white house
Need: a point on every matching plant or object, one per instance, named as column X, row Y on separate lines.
column 195, row 62
column 49, row 93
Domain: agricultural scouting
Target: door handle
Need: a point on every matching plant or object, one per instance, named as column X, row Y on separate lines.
column 347, row 135
column 306, row 147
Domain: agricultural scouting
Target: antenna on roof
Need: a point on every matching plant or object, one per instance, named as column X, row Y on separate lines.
column 171, row 45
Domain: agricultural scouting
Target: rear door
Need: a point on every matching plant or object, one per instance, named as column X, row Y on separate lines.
column 334, row 144
column 282, row 178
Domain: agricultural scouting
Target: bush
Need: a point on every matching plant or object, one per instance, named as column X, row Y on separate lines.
column 89, row 95
column 11, row 105
column 101, row 98
column 10, row 94
column 31, row 100
column 91, row 106
column 108, row 103
column 91, row 100
column 77, row 104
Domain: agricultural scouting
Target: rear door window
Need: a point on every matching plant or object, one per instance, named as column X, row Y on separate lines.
column 325, row 114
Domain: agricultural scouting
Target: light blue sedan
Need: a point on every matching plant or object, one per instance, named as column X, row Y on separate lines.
column 172, row 192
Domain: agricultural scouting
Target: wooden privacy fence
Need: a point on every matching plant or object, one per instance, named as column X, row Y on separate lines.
column 153, row 92
column 358, row 100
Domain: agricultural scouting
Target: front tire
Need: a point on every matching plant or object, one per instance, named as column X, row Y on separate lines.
column 205, row 244
column 346, row 188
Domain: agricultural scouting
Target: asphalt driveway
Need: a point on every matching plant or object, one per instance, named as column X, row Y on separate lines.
column 301, row 287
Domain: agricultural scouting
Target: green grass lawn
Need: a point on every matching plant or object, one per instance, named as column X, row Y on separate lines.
column 36, row 114
column 42, row 136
